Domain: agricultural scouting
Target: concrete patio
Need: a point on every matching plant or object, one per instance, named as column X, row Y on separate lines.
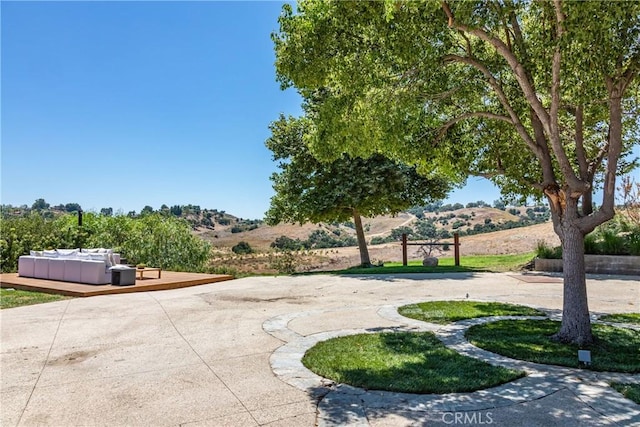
column 227, row 354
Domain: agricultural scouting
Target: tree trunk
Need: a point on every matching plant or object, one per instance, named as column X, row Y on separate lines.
column 576, row 324
column 362, row 242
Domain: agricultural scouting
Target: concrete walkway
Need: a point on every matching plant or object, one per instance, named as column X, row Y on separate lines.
column 228, row 354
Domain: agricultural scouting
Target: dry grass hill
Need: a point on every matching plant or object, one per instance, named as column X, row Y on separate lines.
column 516, row 240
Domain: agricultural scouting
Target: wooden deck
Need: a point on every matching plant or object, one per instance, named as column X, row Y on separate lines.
column 169, row 280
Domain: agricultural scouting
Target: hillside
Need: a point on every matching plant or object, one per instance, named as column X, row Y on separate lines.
column 261, row 237
column 476, row 221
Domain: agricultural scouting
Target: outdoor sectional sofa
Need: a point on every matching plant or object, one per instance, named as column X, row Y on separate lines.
column 91, row 266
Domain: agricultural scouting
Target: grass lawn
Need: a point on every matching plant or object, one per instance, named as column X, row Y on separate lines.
column 491, row 263
column 452, row 311
column 616, row 349
column 630, row 391
column 622, row 318
column 402, row 362
column 16, row 298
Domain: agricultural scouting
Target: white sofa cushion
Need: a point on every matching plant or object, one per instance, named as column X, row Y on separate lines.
column 93, row 272
column 72, row 270
column 50, row 253
column 41, row 269
column 26, row 266
column 56, row 268
column 104, row 257
column 67, row 253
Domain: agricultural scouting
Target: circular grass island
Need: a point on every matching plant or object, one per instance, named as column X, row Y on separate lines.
column 615, row 348
column 412, row 362
column 407, row 362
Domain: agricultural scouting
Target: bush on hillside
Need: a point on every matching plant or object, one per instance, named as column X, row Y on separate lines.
column 242, row 248
column 285, row 243
column 321, row 239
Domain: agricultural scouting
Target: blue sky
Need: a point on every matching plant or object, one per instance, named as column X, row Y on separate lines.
column 127, row 104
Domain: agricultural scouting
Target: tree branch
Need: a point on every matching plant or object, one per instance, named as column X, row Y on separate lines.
column 595, row 163
column 483, row 114
column 499, row 172
column 515, row 120
column 556, row 143
column 548, row 174
column 581, row 155
column 517, row 68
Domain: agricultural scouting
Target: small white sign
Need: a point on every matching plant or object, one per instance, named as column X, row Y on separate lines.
column 584, row 356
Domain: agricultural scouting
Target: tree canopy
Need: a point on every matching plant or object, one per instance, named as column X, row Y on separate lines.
column 539, row 97
column 308, row 190
column 408, row 77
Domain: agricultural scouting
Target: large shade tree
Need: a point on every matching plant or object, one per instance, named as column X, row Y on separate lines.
column 308, row 190
column 539, row 97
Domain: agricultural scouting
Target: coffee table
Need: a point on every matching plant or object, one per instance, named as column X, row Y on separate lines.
column 141, row 271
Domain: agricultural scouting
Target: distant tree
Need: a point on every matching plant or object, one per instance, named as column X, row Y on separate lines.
column 433, row 207
column 417, row 211
column 287, row 244
column 72, row 207
column 499, row 204
column 321, row 239
column 457, row 224
column 396, row 233
column 40, row 205
column 425, row 230
column 457, row 206
column 146, row 210
column 106, row 211
column 308, row 190
column 176, row 210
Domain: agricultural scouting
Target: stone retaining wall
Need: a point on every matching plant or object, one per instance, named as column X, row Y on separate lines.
column 596, row 264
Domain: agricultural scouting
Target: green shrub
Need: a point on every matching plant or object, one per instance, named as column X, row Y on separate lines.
column 591, row 245
column 620, row 236
column 287, row 243
column 633, row 243
column 320, row 239
column 156, row 240
column 612, row 243
column 284, row 262
column 547, row 252
column 242, row 248
column 379, row 240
